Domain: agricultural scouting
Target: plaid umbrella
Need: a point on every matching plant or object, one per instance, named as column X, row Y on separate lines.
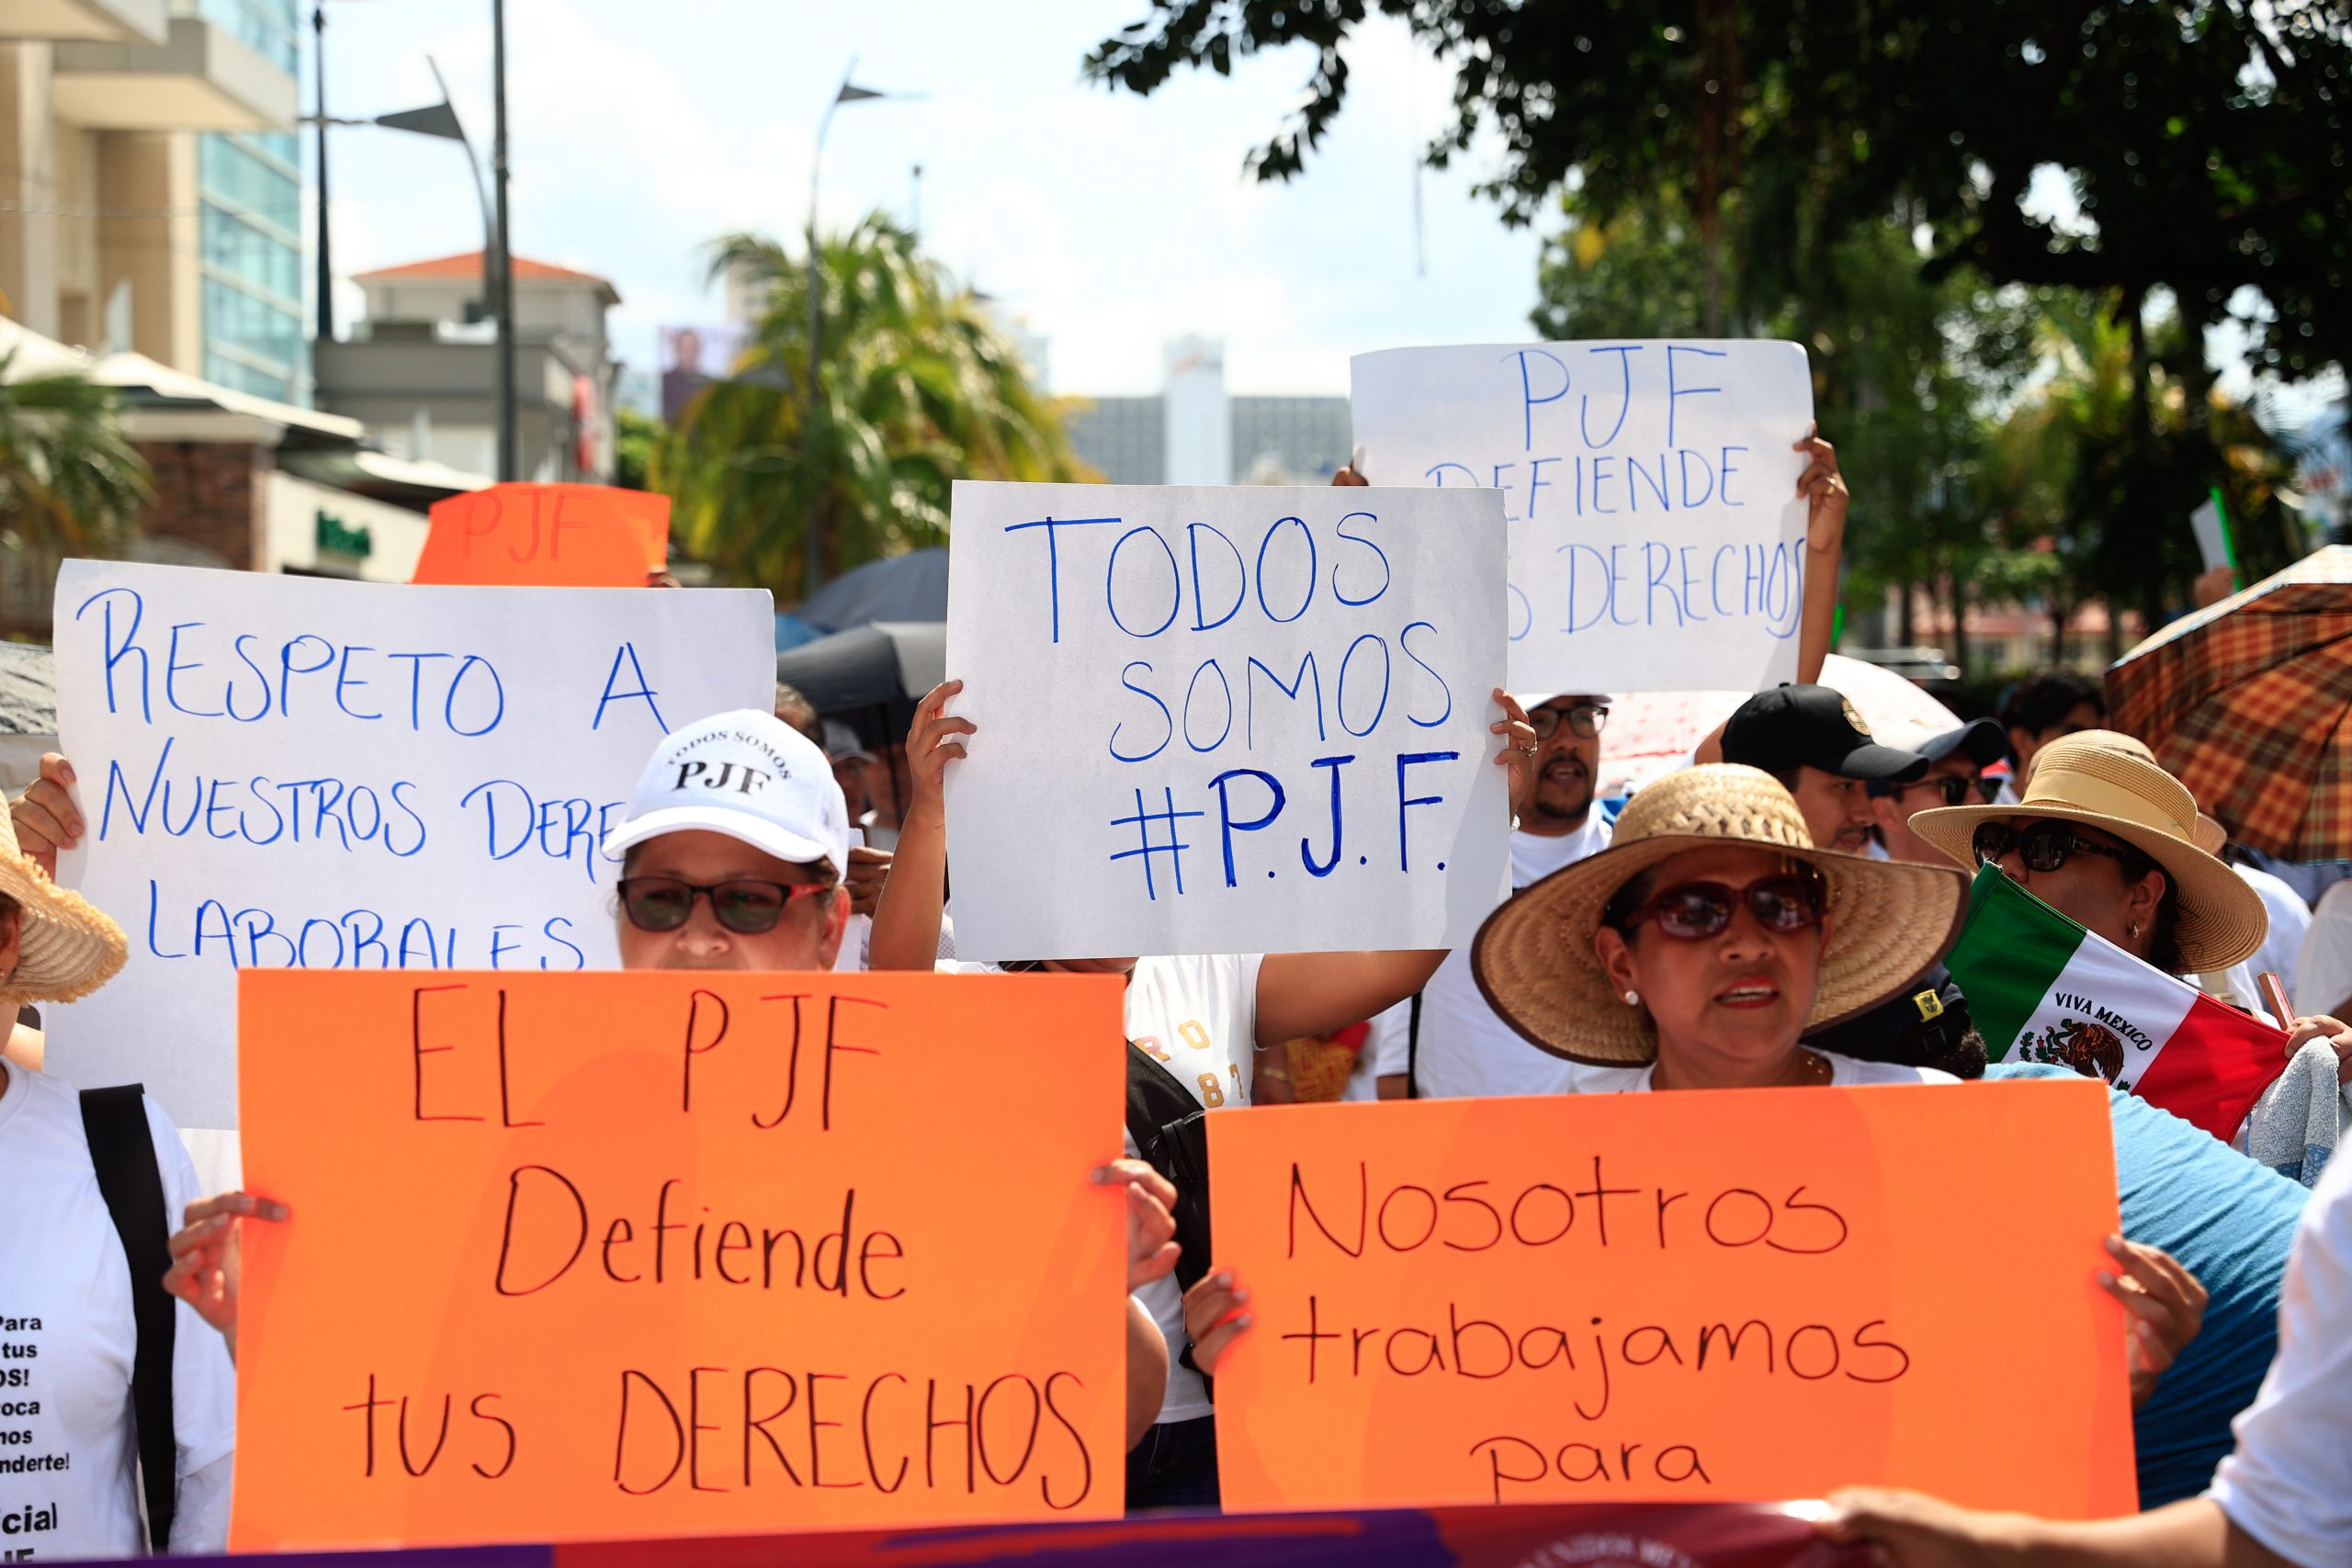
column 2249, row 702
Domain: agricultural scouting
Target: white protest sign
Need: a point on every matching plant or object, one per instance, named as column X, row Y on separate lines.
column 1223, row 720
column 286, row 772
column 1656, row 541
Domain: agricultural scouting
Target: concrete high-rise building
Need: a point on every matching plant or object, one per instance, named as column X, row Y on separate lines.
column 1195, row 434
column 149, row 195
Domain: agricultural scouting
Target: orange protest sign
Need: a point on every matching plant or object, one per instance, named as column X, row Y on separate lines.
column 650, row 1253
column 1696, row 1297
column 564, row 535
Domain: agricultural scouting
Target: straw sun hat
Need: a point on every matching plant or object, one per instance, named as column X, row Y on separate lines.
column 66, row 949
column 2111, row 782
column 1534, row 958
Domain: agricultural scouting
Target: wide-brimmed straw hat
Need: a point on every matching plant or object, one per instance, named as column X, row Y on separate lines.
column 1534, row 958
column 66, row 948
column 2111, row 782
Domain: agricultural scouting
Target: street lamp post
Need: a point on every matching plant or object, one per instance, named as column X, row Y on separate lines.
column 319, row 79
column 813, row 387
column 498, row 272
column 508, row 457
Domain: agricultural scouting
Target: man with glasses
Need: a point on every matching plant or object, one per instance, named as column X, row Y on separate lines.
column 1956, row 763
column 1447, row 1043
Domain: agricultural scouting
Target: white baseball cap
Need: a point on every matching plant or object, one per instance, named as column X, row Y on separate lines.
column 747, row 775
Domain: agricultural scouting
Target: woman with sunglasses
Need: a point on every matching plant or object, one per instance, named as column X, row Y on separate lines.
column 1693, row 953
column 2109, row 839
column 1696, row 950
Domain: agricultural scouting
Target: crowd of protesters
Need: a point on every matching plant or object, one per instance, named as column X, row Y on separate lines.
column 1773, row 915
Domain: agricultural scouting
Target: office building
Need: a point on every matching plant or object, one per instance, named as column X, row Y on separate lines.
column 149, row 198
column 1195, row 432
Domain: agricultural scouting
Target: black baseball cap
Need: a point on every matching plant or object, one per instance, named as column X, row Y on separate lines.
column 1982, row 741
column 1813, row 727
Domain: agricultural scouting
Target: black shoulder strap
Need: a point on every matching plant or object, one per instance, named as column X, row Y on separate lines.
column 115, row 1121
column 1413, row 1050
column 1171, row 1130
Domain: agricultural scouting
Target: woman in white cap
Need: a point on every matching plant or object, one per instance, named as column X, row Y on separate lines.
column 78, row 1312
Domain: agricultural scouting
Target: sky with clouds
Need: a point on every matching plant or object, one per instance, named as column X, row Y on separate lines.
column 1113, row 223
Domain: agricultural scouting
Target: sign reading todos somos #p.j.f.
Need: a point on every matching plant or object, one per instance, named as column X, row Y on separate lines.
column 292, row 773
column 1223, row 720
column 1649, row 489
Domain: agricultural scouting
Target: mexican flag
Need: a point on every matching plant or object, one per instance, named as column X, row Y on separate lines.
column 2041, row 988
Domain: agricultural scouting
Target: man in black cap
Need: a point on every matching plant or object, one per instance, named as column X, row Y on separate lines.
column 1956, row 760
column 1811, row 740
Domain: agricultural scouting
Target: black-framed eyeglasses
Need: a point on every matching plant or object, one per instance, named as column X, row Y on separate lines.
column 1953, row 791
column 1988, row 788
column 1586, row 720
column 1692, row 912
column 2042, row 846
column 745, row 907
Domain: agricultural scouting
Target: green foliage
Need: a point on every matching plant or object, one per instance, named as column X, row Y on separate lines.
column 71, row 483
column 917, row 389
column 2206, row 140
column 635, row 435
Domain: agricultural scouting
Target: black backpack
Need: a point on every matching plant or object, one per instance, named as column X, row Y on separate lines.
column 122, row 1152
column 1170, row 1132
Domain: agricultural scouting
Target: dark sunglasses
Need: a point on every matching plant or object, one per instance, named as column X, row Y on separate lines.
column 745, row 907
column 1691, row 911
column 1953, row 791
column 1585, row 721
column 2042, row 846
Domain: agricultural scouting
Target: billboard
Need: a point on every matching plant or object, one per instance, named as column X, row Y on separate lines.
column 693, row 358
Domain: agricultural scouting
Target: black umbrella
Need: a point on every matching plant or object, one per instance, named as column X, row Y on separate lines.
column 913, row 587
column 888, row 664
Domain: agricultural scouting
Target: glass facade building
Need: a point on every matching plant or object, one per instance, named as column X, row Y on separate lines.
column 250, row 191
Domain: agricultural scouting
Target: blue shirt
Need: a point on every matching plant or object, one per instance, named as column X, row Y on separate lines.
column 2230, row 1222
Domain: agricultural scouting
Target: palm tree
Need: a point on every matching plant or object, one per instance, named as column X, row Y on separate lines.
column 919, row 390
column 71, row 483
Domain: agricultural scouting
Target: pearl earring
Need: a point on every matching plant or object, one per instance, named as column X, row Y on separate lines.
column 2132, row 930
column 1632, row 999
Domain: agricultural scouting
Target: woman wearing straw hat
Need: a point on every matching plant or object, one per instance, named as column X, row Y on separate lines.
column 67, row 1295
column 2105, row 836
column 1696, row 950
column 1693, row 954
column 2109, row 839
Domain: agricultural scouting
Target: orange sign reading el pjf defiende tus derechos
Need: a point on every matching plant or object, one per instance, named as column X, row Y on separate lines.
column 658, row 1254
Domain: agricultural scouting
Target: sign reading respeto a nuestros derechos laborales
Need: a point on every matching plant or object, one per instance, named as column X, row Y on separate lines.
column 293, row 773
column 1657, row 540
column 1223, row 720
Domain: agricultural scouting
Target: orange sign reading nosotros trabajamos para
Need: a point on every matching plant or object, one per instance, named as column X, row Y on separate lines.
column 1695, row 1297
column 632, row 1255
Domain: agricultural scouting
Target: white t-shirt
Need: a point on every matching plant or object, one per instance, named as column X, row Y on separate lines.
column 1845, row 1072
column 2289, row 1484
column 1465, row 1049
column 2323, row 968
column 68, row 1458
column 1199, row 1016
column 2289, row 919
